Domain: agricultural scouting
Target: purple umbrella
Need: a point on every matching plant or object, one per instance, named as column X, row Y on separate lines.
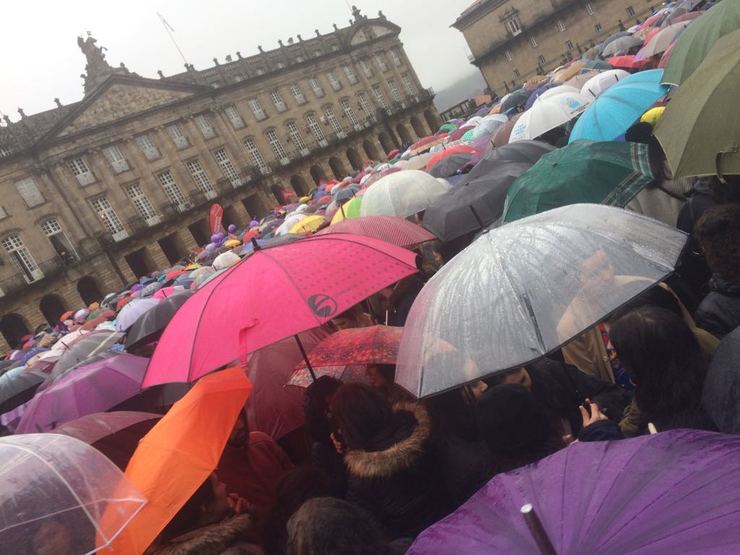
column 132, row 311
column 95, row 387
column 673, row 492
column 537, row 92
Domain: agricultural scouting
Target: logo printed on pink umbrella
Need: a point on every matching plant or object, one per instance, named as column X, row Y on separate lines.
column 322, row 305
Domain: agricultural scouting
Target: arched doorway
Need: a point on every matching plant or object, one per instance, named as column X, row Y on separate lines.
column 283, row 196
column 431, row 120
column 299, row 185
column 418, row 127
column 13, row 327
column 52, row 307
column 317, row 174
column 88, row 289
column 386, row 142
column 403, row 134
column 337, row 168
column 370, row 150
column 354, row 159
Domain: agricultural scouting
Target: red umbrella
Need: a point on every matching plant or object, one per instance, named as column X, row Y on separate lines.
column 627, row 62
column 457, row 149
column 174, row 274
column 393, row 153
column 457, row 133
column 666, row 57
column 391, row 229
column 66, row 316
column 353, row 346
column 273, row 294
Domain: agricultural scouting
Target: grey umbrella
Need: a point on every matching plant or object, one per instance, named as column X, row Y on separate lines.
column 721, row 395
column 17, row 386
column 620, row 46
column 526, row 288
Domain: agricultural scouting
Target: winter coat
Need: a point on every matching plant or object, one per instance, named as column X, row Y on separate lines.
column 601, row 430
column 466, row 466
column 562, row 388
column 397, row 480
column 719, row 312
column 223, row 538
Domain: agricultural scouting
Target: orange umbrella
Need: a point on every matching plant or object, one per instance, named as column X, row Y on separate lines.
column 180, row 452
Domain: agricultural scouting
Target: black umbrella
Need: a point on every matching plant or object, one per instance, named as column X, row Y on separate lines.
column 473, row 206
column 450, row 165
column 16, row 387
column 153, row 322
column 721, row 394
column 517, row 98
column 521, row 152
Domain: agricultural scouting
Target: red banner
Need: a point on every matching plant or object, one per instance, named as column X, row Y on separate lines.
column 215, row 215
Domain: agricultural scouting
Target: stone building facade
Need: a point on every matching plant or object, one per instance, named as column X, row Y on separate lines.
column 513, row 40
column 100, row 192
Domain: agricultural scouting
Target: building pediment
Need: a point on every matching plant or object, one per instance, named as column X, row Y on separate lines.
column 119, row 98
column 371, row 31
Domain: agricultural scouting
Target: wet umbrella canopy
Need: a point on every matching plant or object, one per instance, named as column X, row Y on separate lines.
column 524, row 289
column 57, row 487
column 673, row 492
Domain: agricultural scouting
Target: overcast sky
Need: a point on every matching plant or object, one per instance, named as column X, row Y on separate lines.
column 41, row 59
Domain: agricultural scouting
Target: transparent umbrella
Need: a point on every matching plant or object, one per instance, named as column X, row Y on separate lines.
column 401, row 194
column 55, row 491
column 526, row 288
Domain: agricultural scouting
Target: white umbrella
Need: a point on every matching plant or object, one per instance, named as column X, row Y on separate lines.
column 545, row 115
column 599, row 83
column 403, row 194
column 662, row 40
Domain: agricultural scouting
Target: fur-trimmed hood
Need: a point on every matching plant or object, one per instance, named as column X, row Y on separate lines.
column 399, row 456
column 225, row 537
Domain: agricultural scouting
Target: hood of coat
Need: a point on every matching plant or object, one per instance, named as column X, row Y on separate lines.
column 214, row 539
column 399, row 456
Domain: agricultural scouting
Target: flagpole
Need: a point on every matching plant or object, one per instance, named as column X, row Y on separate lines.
column 169, row 29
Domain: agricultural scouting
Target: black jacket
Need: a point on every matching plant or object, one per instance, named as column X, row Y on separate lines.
column 562, row 388
column 398, row 481
column 719, row 312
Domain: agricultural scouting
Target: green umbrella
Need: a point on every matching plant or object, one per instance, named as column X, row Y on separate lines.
column 585, row 171
column 700, row 128
column 697, row 40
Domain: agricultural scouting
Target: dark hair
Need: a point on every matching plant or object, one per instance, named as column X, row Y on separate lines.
column 360, row 413
column 718, row 231
column 316, row 407
column 727, row 191
column 329, row 526
column 664, row 359
column 189, row 515
column 515, row 426
column 295, row 488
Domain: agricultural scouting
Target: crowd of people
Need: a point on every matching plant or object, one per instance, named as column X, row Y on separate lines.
column 364, row 466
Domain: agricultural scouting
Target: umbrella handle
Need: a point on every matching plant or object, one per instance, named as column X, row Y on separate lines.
column 305, row 356
column 537, row 530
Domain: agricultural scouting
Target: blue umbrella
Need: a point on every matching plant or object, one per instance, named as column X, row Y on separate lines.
column 614, row 111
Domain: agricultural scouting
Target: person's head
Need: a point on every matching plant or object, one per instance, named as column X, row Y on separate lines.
column 520, row 376
column 208, row 504
column 663, row 359
column 596, row 274
column 52, row 538
column 514, row 426
column 381, row 376
column 240, row 433
column 718, row 232
column 316, row 406
column 359, row 414
column 329, row 526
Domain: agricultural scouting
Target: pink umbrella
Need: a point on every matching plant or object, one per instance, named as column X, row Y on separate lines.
column 391, row 229
column 273, row 294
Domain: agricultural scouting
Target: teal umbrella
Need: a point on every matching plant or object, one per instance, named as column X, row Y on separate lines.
column 699, row 37
column 593, row 172
column 616, row 109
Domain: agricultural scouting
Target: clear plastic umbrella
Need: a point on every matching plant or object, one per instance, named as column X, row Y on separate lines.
column 59, row 495
column 526, row 288
column 401, row 194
